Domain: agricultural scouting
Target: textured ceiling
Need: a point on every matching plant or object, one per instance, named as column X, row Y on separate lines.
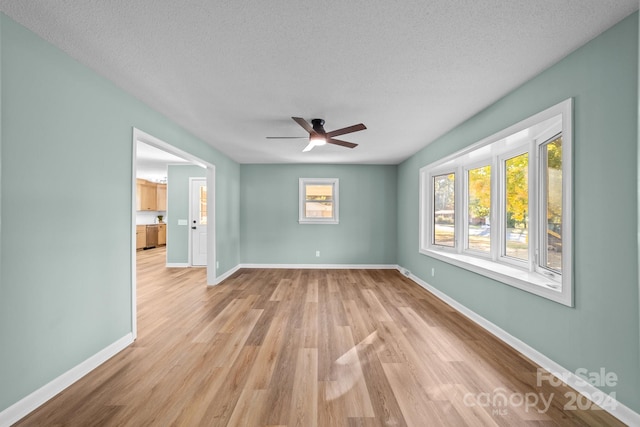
column 234, row 72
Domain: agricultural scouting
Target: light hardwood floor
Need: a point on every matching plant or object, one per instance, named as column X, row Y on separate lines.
column 306, row 348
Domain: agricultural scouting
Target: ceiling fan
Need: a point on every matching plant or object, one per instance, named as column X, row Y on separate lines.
column 318, row 136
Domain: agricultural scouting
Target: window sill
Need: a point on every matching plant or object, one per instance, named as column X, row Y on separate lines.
column 534, row 283
column 315, row 221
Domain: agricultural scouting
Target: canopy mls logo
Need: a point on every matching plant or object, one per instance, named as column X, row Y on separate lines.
column 500, row 400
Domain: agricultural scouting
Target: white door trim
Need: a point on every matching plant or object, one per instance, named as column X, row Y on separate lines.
column 146, row 138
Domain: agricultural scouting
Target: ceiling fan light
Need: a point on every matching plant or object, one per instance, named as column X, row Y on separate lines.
column 318, row 140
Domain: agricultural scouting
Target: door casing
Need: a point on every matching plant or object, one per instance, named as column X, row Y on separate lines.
column 139, row 135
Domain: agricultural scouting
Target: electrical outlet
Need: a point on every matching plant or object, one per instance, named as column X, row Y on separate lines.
column 317, row 253
column 433, row 271
column 217, row 265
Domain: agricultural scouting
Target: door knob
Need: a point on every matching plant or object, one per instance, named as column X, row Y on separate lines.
column 193, row 228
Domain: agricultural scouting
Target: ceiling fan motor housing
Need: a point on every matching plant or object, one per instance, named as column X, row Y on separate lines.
column 318, row 126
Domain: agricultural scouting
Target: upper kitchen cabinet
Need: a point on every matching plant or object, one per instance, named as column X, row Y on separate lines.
column 146, row 195
column 161, row 197
column 150, row 196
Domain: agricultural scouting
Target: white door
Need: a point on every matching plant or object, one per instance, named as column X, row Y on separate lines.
column 198, row 221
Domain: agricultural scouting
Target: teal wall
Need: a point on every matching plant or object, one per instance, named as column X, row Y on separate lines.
column 602, row 329
column 178, row 208
column 66, row 184
column 271, row 234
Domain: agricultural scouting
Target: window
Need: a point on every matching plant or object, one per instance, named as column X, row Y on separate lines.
column 203, row 205
column 502, row 207
column 516, row 207
column 318, row 201
column 444, row 207
column 479, row 209
column 551, row 204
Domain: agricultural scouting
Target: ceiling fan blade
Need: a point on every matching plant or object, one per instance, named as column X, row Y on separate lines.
column 309, row 147
column 342, row 143
column 287, row 137
column 305, row 125
column 343, row 131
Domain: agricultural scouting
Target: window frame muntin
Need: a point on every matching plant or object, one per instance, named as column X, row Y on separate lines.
column 532, row 280
column 302, row 199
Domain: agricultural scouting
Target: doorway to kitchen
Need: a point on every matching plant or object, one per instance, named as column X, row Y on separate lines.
column 177, row 215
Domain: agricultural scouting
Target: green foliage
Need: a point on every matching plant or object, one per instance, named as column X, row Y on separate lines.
column 517, row 190
column 480, row 192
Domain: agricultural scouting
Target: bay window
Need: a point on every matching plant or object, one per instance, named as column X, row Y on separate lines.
column 502, row 206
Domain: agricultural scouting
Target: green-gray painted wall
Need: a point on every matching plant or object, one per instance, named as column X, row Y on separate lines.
column 602, row 330
column 66, row 242
column 177, row 209
column 271, row 233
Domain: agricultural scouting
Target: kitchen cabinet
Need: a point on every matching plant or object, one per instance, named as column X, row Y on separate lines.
column 161, row 197
column 162, row 234
column 148, row 196
column 141, row 236
column 139, row 194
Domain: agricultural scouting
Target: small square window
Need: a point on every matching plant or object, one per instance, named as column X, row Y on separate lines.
column 318, row 201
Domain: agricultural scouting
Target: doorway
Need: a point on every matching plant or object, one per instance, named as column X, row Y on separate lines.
column 207, row 241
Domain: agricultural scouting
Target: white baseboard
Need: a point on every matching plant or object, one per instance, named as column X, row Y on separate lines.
column 615, row 408
column 31, row 402
column 228, row 274
column 324, row 266
column 177, row 265
column 225, row 276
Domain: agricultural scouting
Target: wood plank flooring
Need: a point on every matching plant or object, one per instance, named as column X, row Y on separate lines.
column 306, row 348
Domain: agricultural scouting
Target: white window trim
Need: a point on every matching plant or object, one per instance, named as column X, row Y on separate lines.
column 302, row 183
column 522, row 275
